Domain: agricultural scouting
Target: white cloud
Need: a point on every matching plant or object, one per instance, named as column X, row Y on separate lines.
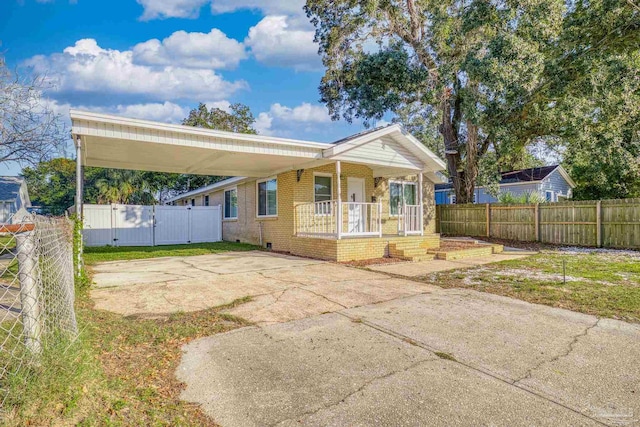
column 268, row 7
column 88, row 68
column 158, row 9
column 191, row 50
column 263, row 124
column 303, row 113
column 155, row 9
column 223, row 105
column 274, row 43
column 286, row 121
column 167, row 112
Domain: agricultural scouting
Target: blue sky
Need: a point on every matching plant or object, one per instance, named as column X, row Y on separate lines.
column 156, row 59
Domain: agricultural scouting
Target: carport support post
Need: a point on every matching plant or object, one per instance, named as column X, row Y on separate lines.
column 79, row 201
column 339, row 204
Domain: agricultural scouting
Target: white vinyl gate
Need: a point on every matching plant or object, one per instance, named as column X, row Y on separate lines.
column 134, row 225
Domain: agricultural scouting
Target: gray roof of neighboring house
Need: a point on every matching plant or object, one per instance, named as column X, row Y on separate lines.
column 521, row 175
column 359, row 134
column 10, row 187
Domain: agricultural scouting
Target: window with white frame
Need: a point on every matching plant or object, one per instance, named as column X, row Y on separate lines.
column 268, row 197
column 550, row 196
column 206, row 200
column 231, row 203
column 401, row 192
column 322, row 192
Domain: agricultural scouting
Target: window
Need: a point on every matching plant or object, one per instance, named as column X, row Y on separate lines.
column 206, row 200
column 322, row 188
column 193, row 202
column 549, row 196
column 400, row 193
column 231, row 203
column 268, row 197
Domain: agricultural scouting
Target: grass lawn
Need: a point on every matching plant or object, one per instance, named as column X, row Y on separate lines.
column 110, row 253
column 603, row 283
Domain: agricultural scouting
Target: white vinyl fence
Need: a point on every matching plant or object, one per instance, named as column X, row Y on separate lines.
column 136, row 225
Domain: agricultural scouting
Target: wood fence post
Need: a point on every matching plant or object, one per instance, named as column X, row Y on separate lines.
column 536, row 221
column 488, row 214
column 599, row 223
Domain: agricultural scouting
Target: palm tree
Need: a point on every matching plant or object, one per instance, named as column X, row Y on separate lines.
column 125, row 187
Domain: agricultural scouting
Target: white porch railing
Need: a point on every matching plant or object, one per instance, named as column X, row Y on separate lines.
column 316, row 219
column 362, row 219
column 409, row 219
column 319, row 219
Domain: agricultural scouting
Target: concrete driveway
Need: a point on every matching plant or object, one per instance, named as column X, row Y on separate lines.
column 339, row 346
column 282, row 287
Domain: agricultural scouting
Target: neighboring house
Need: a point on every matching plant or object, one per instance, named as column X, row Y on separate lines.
column 551, row 182
column 13, row 196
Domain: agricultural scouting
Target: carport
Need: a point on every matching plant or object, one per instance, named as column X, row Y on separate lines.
column 117, row 142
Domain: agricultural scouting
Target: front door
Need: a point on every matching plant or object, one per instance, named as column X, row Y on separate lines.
column 357, row 211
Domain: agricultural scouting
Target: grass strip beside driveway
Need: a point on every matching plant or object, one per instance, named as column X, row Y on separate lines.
column 93, row 255
column 602, row 283
column 120, row 372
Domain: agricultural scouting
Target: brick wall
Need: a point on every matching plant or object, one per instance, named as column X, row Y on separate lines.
column 354, row 249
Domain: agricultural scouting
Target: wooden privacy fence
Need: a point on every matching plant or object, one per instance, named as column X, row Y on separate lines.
column 601, row 223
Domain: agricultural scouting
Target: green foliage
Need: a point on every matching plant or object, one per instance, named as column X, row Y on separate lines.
column 527, row 197
column 52, row 184
column 474, row 78
column 81, row 276
column 461, row 68
column 239, row 120
column 589, row 104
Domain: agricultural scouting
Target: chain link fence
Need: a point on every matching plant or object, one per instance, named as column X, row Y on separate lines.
column 36, row 291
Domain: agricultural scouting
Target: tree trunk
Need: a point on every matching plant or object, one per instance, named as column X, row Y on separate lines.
column 451, row 148
column 471, row 166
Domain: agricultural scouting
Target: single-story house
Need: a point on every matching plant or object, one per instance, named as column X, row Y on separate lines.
column 366, row 196
column 14, row 196
column 551, row 182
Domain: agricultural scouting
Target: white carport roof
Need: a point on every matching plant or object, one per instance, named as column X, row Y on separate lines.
column 124, row 143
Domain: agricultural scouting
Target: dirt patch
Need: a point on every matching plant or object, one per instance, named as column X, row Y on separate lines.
column 456, row 245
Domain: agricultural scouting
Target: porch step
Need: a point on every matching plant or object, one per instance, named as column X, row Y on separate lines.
column 410, row 251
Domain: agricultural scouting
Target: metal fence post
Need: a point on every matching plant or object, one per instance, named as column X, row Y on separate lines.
column 28, row 275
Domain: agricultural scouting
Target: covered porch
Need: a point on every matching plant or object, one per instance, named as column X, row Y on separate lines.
column 362, row 212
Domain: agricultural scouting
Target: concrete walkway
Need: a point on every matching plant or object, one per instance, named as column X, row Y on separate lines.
column 423, row 268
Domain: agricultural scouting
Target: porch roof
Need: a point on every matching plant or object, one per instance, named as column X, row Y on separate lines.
column 125, row 143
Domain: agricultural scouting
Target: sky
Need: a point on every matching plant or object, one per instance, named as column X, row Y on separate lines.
column 157, row 59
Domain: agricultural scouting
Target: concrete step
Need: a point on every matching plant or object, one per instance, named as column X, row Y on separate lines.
column 412, row 251
column 425, row 257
